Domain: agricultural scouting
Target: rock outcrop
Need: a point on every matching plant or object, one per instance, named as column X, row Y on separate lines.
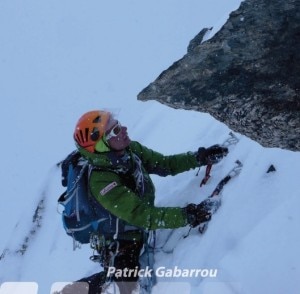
column 247, row 75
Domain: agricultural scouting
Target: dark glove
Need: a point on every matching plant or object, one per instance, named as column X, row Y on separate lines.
column 211, row 155
column 196, row 214
column 210, row 204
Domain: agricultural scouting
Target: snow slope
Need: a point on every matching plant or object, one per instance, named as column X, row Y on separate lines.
column 62, row 58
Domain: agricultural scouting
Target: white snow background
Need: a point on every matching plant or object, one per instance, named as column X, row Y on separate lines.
column 59, row 59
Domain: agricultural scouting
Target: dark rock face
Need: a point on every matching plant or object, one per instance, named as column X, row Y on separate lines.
column 247, row 75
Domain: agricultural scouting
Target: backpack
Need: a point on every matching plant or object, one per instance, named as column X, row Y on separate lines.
column 82, row 214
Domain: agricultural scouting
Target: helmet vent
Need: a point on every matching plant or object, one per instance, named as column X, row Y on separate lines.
column 97, row 119
column 78, row 139
column 81, row 136
column 86, row 134
column 95, row 134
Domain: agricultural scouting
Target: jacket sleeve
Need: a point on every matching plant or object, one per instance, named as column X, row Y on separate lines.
column 157, row 163
column 125, row 204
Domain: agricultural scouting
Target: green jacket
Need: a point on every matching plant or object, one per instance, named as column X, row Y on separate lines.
column 116, row 188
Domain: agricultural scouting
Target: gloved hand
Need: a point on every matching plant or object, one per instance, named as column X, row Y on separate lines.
column 210, row 204
column 197, row 214
column 211, row 155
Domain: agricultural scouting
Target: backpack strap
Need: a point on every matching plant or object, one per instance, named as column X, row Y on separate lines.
column 97, row 206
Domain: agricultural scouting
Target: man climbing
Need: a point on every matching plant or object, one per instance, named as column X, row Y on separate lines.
column 121, row 183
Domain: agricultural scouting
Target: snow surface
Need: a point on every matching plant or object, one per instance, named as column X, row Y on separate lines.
column 59, row 59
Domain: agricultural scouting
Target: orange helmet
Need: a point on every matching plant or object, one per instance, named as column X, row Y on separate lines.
column 90, row 128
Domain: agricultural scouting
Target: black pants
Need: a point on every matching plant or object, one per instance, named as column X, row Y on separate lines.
column 124, row 254
column 120, row 255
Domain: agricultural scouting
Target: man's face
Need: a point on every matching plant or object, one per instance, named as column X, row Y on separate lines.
column 117, row 136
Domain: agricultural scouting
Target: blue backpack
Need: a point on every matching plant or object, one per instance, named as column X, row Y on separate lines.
column 82, row 214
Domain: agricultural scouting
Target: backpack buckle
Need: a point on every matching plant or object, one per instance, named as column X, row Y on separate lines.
column 97, row 242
